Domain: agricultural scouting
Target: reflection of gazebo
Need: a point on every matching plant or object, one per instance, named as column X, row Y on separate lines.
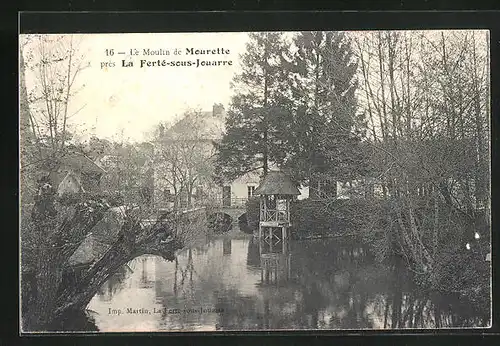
column 276, row 192
column 275, row 267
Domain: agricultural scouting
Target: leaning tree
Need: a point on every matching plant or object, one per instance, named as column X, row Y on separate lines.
column 53, row 226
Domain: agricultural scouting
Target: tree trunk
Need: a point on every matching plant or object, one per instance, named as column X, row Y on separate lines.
column 265, row 151
column 57, row 241
column 435, row 238
column 481, row 166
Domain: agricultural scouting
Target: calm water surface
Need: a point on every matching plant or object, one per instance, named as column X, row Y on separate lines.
column 226, row 284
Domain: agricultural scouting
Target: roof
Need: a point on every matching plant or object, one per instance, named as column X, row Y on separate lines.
column 74, row 159
column 209, row 125
column 276, row 183
column 82, row 162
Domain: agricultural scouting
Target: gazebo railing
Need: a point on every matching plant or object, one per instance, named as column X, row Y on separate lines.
column 274, row 215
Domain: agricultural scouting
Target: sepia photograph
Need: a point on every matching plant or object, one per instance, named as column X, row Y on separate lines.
column 254, row 181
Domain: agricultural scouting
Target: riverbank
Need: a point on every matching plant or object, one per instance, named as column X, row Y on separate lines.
column 322, row 236
column 241, row 235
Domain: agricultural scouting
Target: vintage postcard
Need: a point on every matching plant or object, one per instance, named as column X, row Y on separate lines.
column 236, row 181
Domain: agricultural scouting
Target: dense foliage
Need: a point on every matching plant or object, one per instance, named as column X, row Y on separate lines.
column 252, row 138
column 294, row 106
column 403, row 118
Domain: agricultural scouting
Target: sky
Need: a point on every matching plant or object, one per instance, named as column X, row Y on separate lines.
column 125, row 103
column 129, row 101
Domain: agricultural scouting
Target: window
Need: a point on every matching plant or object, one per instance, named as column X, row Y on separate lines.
column 250, row 190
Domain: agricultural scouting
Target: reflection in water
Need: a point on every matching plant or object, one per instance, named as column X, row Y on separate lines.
column 235, row 284
column 226, row 246
column 253, row 253
column 115, row 283
column 275, row 268
column 274, row 260
column 147, row 273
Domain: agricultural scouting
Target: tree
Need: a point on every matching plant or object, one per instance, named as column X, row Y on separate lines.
column 324, row 133
column 28, row 134
column 250, row 141
column 184, row 157
column 57, row 225
column 54, row 62
column 296, row 109
column 419, row 90
column 46, row 298
column 96, row 148
column 128, row 169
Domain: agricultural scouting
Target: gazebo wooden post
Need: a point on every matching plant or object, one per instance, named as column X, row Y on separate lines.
column 260, row 237
column 262, row 216
column 288, row 209
column 276, row 271
column 283, row 239
column 263, row 270
column 289, row 271
column 264, row 203
column 270, row 239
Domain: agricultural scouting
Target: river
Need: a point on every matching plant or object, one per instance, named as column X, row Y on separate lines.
column 315, row 284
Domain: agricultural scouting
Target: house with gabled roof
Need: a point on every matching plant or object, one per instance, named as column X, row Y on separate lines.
column 71, row 170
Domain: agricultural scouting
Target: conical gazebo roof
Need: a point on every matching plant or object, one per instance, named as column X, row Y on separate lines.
column 276, row 183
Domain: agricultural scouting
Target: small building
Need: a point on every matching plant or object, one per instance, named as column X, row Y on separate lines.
column 276, row 192
column 75, row 171
column 71, row 183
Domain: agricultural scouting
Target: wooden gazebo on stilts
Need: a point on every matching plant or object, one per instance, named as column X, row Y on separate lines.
column 276, row 192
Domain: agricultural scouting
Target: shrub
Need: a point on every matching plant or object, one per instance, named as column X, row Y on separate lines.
column 326, row 218
column 113, row 199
